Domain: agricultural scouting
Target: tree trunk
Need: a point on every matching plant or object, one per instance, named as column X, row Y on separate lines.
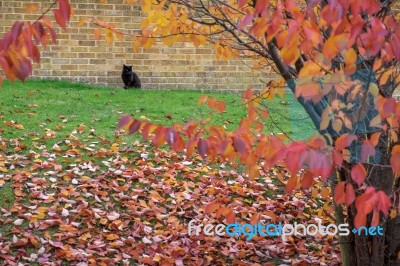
column 372, row 250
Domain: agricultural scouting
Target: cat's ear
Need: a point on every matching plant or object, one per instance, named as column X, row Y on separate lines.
column 124, row 65
column 130, row 67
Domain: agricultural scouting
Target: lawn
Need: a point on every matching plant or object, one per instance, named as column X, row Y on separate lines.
column 72, row 191
column 61, row 106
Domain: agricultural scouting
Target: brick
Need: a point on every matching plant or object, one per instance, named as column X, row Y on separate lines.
column 77, row 56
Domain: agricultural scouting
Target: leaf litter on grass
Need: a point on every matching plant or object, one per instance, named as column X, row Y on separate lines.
column 90, row 200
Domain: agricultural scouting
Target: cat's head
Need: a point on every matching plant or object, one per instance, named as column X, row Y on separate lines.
column 127, row 68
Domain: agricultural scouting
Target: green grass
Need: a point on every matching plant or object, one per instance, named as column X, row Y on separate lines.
column 44, row 104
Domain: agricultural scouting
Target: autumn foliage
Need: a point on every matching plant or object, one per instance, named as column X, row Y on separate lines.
column 20, row 46
column 339, row 58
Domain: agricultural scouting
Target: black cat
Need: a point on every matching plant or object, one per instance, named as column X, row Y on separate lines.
column 130, row 79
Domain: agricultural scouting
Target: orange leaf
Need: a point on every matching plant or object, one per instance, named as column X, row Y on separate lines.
column 202, row 99
column 97, row 34
column 255, row 218
column 220, row 106
column 82, row 22
column 360, row 220
column 337, row 125
column 339, row 196
column 307, row 179
column 395, row 159
column 291, row 184
column 212, row 207
column 30, row 8
column 271, row 215
column 344, row 141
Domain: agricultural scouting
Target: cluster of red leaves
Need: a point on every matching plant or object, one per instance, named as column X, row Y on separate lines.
column 19, row 46
column 260, row 152
column 102, row 203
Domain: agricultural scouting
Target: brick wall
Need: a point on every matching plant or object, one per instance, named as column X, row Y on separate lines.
column 79, row 57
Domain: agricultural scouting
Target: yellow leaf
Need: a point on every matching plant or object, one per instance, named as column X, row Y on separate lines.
column 109, row 36
column 350, row 57
column 280, row 91
column 82, row 21
column 385, row 76
column 337, row 124
column 373, row 89
column 393, row 213
column 119, row 35
column 325, row 119
column 376, row 121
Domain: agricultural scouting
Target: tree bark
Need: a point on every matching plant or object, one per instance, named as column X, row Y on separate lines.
column 372, row 250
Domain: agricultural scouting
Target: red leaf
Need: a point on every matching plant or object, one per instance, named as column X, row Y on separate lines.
column 240, row 145
column 58, row 16
column 366, row 151
column 358, row 174
column 134, row 126
column 65, row 9
column 124, row 121
column 383, row 202
column 296, row 154
column 202, row 147
column 245, row 21
column 242, row 3
column 16, row 29
column 260, row 6
column 147, row 129
column 365, row 203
